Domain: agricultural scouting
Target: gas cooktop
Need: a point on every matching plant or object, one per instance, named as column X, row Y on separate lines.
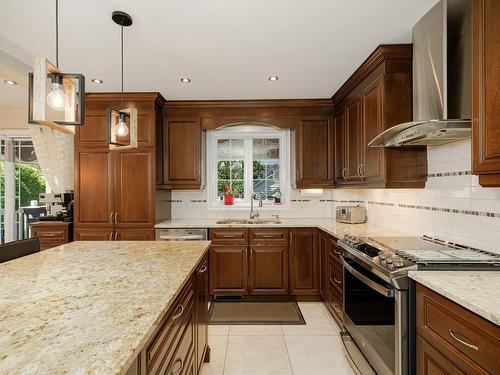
column 395, row 256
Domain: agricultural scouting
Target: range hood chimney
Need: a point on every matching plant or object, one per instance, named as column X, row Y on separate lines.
column 441, row 79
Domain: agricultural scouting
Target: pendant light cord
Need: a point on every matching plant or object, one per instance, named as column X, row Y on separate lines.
column 57, row 33
column 121, row 97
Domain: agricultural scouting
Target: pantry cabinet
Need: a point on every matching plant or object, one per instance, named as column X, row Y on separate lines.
column 486, row 91
column 376, row 97
column 115, row 190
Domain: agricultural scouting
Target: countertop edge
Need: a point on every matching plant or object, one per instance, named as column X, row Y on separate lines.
column 418, row 276
column 126, row 366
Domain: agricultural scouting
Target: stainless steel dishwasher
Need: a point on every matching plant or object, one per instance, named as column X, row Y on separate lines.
column 182, row 234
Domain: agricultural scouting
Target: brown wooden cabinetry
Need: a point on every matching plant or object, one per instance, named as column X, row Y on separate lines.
column 486, row 91
column 376, row 97
column 324, row 252
column 51, row 233
column 304, row 261
column 229, row 269
column 182, row 148
column 452, row 339
column 179, row 344
column 114, row 190
column 314, row 153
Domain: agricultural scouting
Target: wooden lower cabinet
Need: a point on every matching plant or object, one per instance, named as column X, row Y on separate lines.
column 229, row 269
column 51, row 233
column 179, row 344
column 324, row 251
column 268, row 269
column 304, row 261
column 452, row 339
column 94, row 234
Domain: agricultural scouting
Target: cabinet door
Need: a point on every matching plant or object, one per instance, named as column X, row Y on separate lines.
column 304, row 262
column 93, row 188
column 353, row 127
column 486, row 91
column 134, row 235
column 182, row 147
column 134, row 193
column 324, row 252
column 228, row 269
column 432, row 362
column 314, row 153
column 93, row 133
column 201, row 308
column 372, row 166
column 268, row 270
column 340, row 147
column 93, row 234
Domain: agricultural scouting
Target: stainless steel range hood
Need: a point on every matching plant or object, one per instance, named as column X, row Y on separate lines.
column 441, row 79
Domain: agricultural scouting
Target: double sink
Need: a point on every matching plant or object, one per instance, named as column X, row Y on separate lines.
column 255, row 221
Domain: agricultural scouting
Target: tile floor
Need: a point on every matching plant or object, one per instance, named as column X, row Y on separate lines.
column 311, row 349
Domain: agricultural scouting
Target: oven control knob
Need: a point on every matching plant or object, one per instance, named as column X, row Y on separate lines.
column 382, row 256
column 388, row 259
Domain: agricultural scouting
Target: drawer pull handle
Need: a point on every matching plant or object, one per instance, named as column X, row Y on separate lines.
column 268, row 236
column 337, row 280
column 203, row 269
column 337, row 308
column 337, row 252
column 181, row 310
column 470, row 346
column 178, row 362
column 229, row 236
column 48, row 235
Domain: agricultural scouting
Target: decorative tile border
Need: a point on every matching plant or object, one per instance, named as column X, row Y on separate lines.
column 198, row 201
column 449, row 174
column 451, row 210
column 382, row 203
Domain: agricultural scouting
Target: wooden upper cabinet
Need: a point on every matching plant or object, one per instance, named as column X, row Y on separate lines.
column 372, row 166
column 353, row 140
column 375, row 98
column 486, row 91
column 182, row 144
column 93, row 188
column 304, row 262
column 314, row 150
column 134, row 191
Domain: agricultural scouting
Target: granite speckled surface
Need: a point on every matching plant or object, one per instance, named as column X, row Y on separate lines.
column 477, row 291
column 88, row 307
column 327, row 225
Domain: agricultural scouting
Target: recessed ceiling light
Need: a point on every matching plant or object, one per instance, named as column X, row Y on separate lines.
column 10, row 82
column 273, row 78
column 185, row 80
column 98, row 81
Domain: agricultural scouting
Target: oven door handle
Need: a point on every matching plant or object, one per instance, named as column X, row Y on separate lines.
column 365, row 280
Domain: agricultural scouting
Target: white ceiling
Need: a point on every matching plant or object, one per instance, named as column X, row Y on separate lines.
column 227, row 47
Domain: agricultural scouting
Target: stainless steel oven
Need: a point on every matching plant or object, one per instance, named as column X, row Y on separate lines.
column 375, row 316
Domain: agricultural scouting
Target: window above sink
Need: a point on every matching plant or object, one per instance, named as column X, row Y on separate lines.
column 248, row 158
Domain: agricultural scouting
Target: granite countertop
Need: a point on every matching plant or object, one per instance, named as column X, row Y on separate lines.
column 474, row 290
column 328, row 225
column 88, row 307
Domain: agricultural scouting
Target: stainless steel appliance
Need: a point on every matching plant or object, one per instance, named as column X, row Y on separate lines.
column 376, row 283
column 441, row 79
column 350, row 214
column 182, row 234
column 59, row 206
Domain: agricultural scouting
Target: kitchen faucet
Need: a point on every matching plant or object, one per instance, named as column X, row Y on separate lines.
column 256, row 196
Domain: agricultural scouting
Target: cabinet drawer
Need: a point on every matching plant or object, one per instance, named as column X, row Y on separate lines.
column 336, row 302
column 50, row 243
column 462, row 336
column 335, row 250
column 52, row 235
column 229, row 236
column 336, row 276
column 182, row 361
column 432, row 362
column 160, row 350
column 269, row 236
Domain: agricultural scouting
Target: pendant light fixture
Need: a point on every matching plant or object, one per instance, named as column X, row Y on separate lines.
column 55, row 99
column 122, row 123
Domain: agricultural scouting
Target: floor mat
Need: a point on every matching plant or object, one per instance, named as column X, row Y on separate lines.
column 229, row 312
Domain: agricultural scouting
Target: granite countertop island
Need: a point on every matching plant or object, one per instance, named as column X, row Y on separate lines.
column 477, row 291
column 328, row 225
column 88, row 307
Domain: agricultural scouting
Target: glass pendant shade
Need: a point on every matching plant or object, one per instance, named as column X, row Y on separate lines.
column 55, row 99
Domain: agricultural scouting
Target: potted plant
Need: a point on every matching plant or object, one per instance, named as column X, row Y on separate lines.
column 228, row 196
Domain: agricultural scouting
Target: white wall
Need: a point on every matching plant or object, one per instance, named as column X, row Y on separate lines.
column 424, row 211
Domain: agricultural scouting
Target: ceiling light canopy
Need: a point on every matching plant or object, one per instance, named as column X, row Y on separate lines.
column 121, row 123
column 185, row 80
column 55, row 99
column 273, row 78
column 10, row 82
column 97, row 81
